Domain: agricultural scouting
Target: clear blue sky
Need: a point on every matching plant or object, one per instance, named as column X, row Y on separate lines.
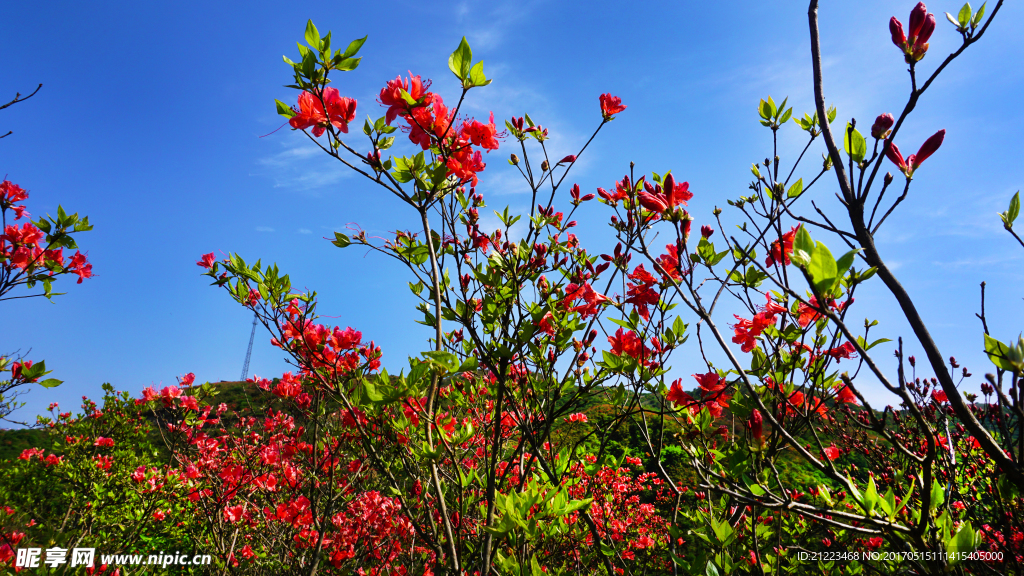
column 150, row 117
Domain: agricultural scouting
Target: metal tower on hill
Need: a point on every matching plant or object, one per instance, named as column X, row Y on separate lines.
column 248, row 353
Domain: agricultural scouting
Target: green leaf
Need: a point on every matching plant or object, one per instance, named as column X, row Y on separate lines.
column 870, row 497
column 796, row 189
column 476, row 75
column 341, row 240
column 977, row 17
column 372, row 394
column 998, row 353
column 964, row 17
column 1011, row 214
column 803, row 247
column 354, row 47
column 938, row 495
column 765, row 109
column 965, row 541
column 50, row 383
column 854, row 144
column 312, row 35
column 845, row 261
column 348, row 64
column 284, row 109
column 822, row 268
column 461, row 60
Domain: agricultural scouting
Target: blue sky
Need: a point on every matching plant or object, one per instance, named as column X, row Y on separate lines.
column 151, row 114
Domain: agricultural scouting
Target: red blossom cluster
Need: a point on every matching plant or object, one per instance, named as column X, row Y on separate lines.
column 712, row 394
column 747, row 331
column 319, row 111
column 22, row 249
column 432, row 124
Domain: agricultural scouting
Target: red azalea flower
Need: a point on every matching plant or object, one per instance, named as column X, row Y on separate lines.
column 206, row 261
column 845, row 395
column 832, row 453
column 781, row 254
column 312, row 114
column 610, row 106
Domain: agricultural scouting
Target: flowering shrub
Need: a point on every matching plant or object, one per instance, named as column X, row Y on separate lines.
column 32, row 253
column 541, row 432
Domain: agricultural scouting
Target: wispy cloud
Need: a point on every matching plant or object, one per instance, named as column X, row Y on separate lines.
column 305, row 231
column 264, row 229
column 301, row 166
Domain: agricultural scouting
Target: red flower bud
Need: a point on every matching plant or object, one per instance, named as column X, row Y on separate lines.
column 917, row 18
column 893, row 153
column 570, row 159
column 706, row 231
column 926, row 31
column 756, row 426
column 882, row 125
column 927, row 149
column 896, row 29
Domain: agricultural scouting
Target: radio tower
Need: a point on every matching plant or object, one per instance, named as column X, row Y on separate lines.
column 248, row 353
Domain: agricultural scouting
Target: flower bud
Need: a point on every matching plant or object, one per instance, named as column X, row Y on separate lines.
column 926, row 31
column 917, row 18
column 882, row 125
column 896, row 29
column 888, row 179
column 514, row 160
column 706, row 231
column 568, row 159
column 544, row 166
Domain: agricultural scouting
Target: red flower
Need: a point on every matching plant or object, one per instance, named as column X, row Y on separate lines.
column 845, row 395
column 480, row 134
column 545, row 325
column 610, row 106
column 159, row 515
column 832, row 453
column 206, row 261
column 391, row 95
column 233, row 513
column 339, row 112
column 79, row 266
column 592, row 299
column 939, row 395
column 626, row 342
column 659, row 199
column 676, row 395
column 642, row 294
column 781, row 254
column 808, row 313
column 670, row 264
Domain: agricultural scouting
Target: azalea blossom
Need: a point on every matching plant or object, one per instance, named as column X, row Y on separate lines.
column 610, row 106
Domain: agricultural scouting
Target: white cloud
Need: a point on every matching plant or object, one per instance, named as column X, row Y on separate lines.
column 305, row 231
column 264, row 229
column 301, row 166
